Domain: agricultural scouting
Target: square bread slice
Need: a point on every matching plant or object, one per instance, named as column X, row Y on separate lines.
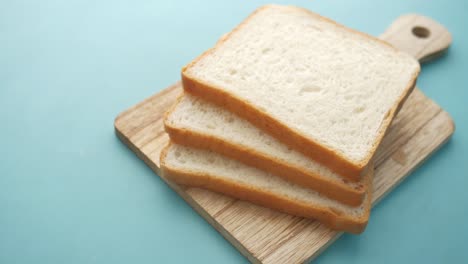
column 195, row 122
column 212, row 171
column 323, row 89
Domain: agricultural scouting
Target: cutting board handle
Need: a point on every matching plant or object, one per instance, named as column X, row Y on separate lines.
column 419, row 36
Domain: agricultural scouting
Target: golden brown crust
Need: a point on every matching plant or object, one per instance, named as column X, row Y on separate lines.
column 328, row 157
column 328, row 216
column 282, row 132
column 390, row 116
column 339, row 191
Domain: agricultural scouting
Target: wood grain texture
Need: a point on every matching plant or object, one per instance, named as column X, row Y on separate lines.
column 267, row 236
column 419, row 36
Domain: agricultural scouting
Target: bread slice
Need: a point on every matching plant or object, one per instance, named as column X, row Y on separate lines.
column 212, row 171
column 198, row 123
column 318, row 86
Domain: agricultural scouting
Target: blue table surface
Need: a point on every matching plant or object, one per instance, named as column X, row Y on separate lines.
column 71, row 192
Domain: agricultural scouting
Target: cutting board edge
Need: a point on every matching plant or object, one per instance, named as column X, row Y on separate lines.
column 180, row 191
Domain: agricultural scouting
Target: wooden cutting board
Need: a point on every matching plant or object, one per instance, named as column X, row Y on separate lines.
column 267, row 236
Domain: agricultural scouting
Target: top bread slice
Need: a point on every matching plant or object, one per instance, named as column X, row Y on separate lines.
column 323, row 89
column 198, row 123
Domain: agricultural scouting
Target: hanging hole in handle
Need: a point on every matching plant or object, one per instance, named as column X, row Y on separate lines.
column 421, row 32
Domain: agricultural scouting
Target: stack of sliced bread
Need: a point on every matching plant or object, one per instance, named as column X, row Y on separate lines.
column 287, row 111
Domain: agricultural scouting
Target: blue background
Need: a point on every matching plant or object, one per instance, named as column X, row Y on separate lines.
column 70, row 192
